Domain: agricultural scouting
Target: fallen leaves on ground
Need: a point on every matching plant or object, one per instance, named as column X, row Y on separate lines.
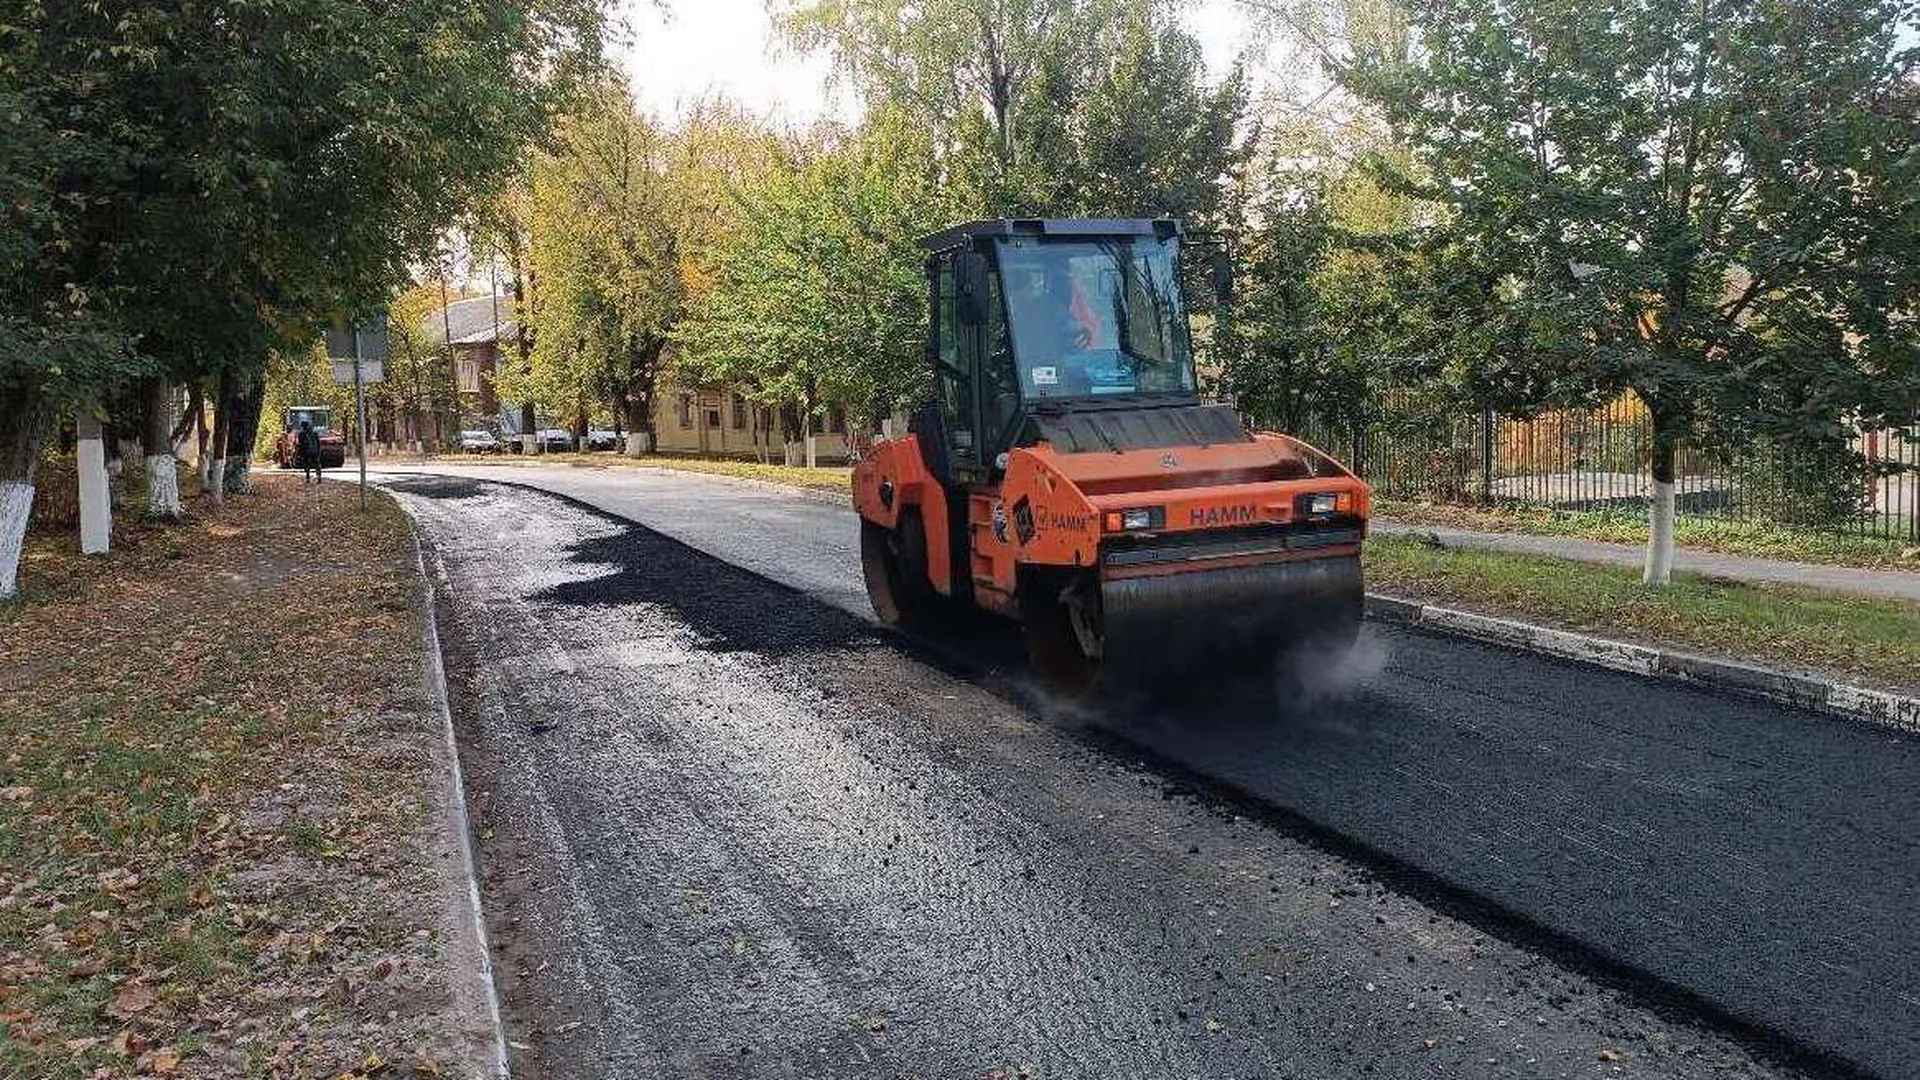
column 213, row 799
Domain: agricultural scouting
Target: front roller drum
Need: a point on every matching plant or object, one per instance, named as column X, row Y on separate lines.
column 1189, row 632
column 894, row 564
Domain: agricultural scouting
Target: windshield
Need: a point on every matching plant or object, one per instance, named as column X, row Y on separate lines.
column 1096, row 317
column 321, row 418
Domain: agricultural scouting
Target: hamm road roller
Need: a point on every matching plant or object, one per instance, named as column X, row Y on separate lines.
column 1067, row 475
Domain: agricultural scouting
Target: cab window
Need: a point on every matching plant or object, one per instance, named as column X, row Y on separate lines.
column 955, row 363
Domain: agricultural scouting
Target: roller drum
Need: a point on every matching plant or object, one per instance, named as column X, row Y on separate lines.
column 1169, row 630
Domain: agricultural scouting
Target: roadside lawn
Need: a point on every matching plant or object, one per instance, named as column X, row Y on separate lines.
column 1877, row 641
column 833, row 478
column 218, row 837
column 1726, row 537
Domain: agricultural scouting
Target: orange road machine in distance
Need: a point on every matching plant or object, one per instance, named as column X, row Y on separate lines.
column 1067, row 474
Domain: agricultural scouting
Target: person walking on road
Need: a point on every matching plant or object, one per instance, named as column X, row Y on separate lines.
column 308, row 448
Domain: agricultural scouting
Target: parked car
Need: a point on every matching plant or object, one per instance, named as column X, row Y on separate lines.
column 479, row 442
column 603, row 439
column 555, row 439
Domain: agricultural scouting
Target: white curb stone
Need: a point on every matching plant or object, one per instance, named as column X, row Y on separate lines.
column 1876, row 707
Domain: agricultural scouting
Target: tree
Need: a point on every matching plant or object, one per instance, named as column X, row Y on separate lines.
column 820, row 296
column 1703, row 201
column 606, row 253
column 419, row 378
column 1043, row 106
column 60, row 343
column 950, row 61
column 1135, row 131
column 1323, row 319
column 191, row 182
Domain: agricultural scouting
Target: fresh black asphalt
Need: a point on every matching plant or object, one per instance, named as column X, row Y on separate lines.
column 1747, row 861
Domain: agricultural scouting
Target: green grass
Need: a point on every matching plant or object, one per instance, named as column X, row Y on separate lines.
column 1877, row 640
column 834, row 478
column 1726, row 537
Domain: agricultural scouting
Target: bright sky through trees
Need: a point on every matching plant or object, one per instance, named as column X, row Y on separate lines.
column 682, row 50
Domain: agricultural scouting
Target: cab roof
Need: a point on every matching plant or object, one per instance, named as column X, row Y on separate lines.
column 963, row 235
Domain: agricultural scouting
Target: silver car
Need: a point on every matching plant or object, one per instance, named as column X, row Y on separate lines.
column 479, row 442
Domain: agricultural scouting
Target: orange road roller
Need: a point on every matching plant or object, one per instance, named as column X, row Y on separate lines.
column 1066, row 474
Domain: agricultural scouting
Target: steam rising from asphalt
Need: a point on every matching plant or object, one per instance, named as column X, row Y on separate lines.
column 1309, row 686
column 1319, row 674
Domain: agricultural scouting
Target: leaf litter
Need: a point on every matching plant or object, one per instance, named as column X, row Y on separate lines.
column 216, row 801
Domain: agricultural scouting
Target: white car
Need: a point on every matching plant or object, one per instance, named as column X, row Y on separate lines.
column 603, row 439
column 479, row 442
column 554, row 439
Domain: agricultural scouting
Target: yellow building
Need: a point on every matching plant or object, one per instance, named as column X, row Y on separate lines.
column 715, row 421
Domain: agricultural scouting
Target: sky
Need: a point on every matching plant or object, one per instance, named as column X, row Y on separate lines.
column 682, row 50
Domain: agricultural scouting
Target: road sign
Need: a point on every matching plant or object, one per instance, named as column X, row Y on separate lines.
column 367, row 340
column 359, row 352
column 371, row 371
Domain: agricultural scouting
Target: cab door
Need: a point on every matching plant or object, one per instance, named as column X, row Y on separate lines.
column 953, row 346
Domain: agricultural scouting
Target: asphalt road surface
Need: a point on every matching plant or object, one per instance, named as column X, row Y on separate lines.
column 731, row 829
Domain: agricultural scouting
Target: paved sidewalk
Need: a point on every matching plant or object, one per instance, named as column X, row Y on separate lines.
column 1891, row 584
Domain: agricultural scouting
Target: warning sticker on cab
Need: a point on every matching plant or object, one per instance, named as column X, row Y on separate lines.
column 1045, row 376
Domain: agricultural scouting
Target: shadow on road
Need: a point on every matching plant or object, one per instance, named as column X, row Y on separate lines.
column 728, row 608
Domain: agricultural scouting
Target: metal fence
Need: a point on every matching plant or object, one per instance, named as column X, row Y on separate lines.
column 1598, row 461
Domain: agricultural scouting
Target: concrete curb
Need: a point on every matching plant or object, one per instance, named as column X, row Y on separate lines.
column 1860, row 703
column 462, row 822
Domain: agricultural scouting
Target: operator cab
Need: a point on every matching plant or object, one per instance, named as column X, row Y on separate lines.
column 1073, row 332
column 320, row 416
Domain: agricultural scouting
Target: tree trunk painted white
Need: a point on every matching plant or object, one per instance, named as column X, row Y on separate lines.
column 96, row 506
column 806, row 437
column 163, row 483
column 529, row 445
column 637, row 444
column 1659, row 570
column 239, row 476
column 163, row 488
column 16, row 501
column 213, row 482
